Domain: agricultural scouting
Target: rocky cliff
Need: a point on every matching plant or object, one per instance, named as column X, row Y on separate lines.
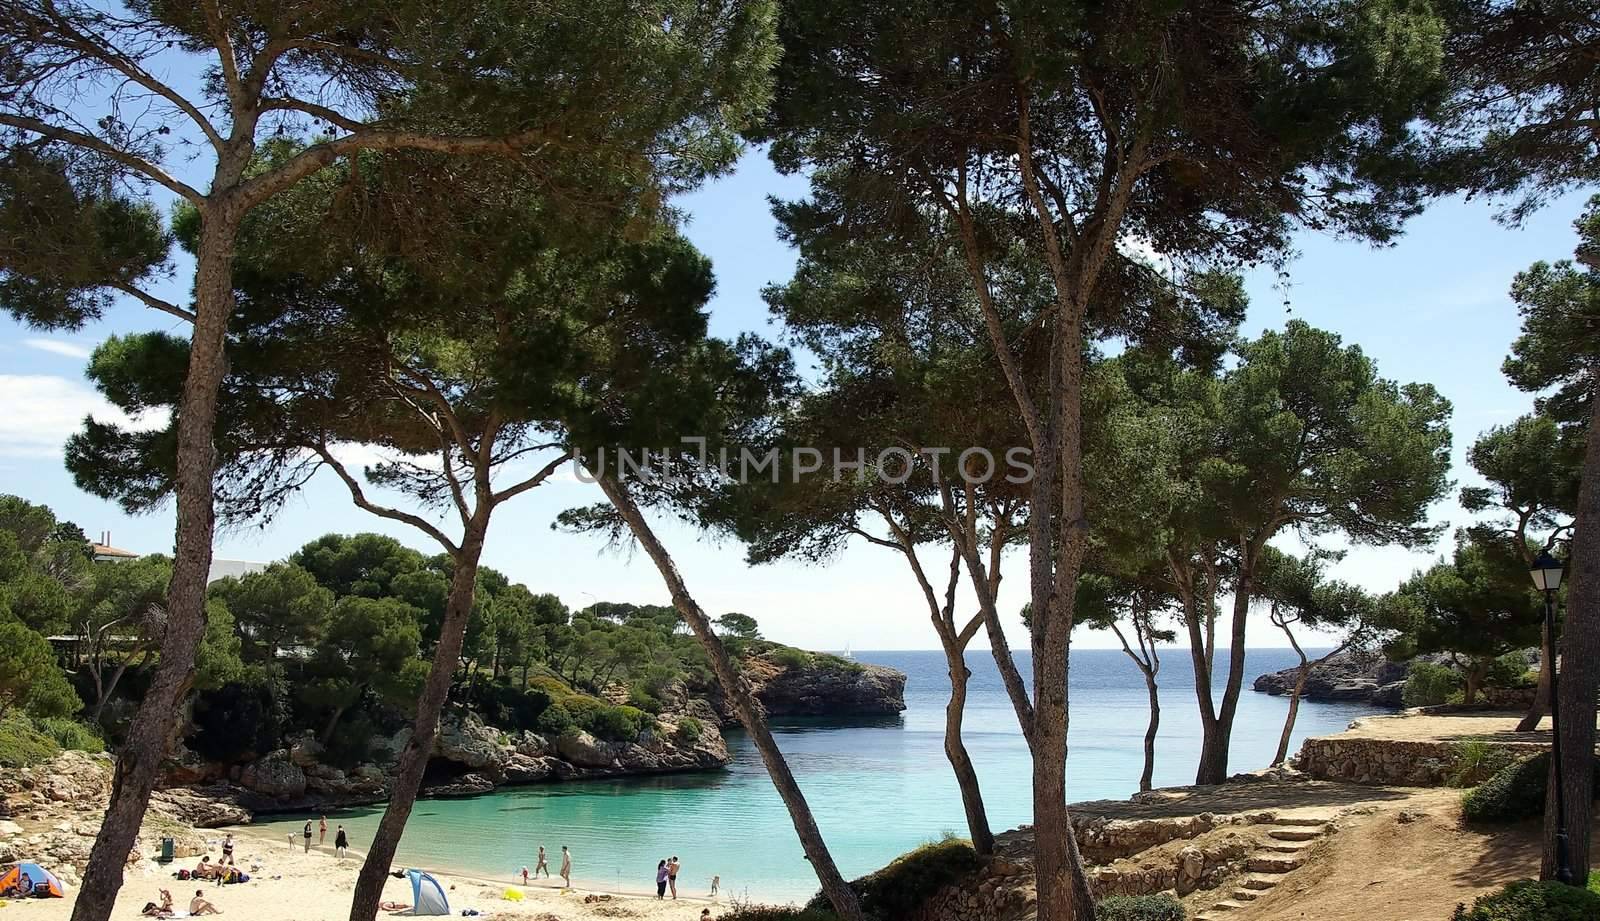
column 469, row 757
column 822, row 686
column 1349, row 676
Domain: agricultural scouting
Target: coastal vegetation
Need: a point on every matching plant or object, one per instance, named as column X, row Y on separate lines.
column 438, row 255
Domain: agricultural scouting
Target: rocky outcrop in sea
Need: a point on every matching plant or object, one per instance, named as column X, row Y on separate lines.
column 825, row 687
column 1364, row 677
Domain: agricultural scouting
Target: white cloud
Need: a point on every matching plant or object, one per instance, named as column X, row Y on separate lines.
column 58, row 347
column 39, row 412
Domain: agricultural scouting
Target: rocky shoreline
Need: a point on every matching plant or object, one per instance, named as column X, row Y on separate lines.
column 1349, row 676
column 472, row 758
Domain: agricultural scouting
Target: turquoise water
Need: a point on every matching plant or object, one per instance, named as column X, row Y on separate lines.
column 878, row 787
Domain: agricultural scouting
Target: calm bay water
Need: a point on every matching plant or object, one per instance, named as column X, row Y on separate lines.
column 878, row 787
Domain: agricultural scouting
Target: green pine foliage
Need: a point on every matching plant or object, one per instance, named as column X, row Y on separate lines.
column 1527, row 900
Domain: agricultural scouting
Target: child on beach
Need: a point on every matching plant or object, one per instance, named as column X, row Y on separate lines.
column 716, row 883
column 306, row 833
column 524, row 876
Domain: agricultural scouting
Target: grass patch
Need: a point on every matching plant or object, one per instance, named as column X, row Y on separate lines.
column 22, row 744
column 899, row 889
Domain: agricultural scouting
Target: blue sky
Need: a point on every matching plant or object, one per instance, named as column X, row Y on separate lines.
column 1432, row 308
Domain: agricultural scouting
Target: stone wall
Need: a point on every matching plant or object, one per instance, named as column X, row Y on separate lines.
column 1387, row 761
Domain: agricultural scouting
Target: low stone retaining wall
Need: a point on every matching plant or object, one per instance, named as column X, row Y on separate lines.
column 1394, row 762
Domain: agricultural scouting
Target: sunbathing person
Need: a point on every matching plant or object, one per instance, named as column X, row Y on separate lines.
column 199, row 906
column 394, row 906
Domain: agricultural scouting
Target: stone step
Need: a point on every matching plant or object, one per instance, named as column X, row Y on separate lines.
column 1226, row 905
column 1247, row 895
column 1274, row 863
column 1259, row 881
column 1300, row 820
column 1297, row 834
column 1290, row 847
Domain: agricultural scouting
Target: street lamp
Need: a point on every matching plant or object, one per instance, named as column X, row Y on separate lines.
column 1546, row 573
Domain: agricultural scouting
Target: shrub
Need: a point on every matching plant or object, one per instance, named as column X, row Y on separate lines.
column 71, row 734
column 1507, row 671
column 689, row 730
column 777, row 913
column 1514, row 793
column 1477, row 761
column 1527, row 900
column 790, row 657
column 899, row 889
column 22, row 744
column 1428, row 685
column 837, row 663
column 1139, row 908
column 556, row 719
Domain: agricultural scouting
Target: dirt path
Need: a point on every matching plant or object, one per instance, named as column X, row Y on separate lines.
column 1407, row 861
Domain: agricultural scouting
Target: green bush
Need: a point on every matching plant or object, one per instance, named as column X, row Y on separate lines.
column 1139, row 908
column 899, row 889
column 777, row 913
column 556, row 719
column 1476, row 761
column 836, row 663
column 22, row 744
column 689, row 730
column 1514, row 793
column 1507, row 671
column 790, row 657
column 71, row 734
column 1428, row 685
column 1527, row 900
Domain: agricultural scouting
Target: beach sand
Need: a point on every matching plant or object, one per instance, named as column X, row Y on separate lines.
column 294, row 886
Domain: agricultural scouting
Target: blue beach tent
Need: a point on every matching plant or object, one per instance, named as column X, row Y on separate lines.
column 427, row 896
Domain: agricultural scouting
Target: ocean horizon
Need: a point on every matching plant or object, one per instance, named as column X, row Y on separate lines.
column 878, row 786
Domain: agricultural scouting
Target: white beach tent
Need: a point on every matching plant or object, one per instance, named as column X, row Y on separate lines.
column 427, row 896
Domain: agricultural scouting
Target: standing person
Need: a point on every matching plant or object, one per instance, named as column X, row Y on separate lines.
column 227, row 850
column 524, row 876
column 661, row 879
column 306, row 834
column 716, row 883
column 566, row 867
column 543, row 864
column 322, row 834
column 341, row 842
column 672, row 876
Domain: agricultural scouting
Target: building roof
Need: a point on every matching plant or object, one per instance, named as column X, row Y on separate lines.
column 103, row 550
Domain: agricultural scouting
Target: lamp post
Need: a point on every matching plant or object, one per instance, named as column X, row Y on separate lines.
column 1546, row 573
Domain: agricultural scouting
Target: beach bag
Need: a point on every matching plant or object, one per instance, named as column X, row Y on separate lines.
column 183, row 874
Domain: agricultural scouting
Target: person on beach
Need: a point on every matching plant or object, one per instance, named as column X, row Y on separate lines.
column 661, row 880
column 524, row 876
column 566, row 867
column 322, row 835
column 227, row 850
column 716, row 883
column 543, row 864
column 672, row 876
column 199, row 906
column 341, row 842
column 306, row 833
column 705, row 914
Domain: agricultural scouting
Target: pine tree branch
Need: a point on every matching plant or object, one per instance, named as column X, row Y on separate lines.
column 90, row 142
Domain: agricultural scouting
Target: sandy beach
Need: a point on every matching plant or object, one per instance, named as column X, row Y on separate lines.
column 295, row 886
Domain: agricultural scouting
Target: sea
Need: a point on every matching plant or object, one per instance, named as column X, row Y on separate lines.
column 879, row 787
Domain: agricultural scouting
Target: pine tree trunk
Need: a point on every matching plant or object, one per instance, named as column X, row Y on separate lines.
column 151, row 731
column 1148, row 776
column 737, row 691
column 1579, row 676
column 425, row 728
column 960, row 762
column 1218, row 734
column 1294, row 711
column 1541, row 693
column 1475, row 671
